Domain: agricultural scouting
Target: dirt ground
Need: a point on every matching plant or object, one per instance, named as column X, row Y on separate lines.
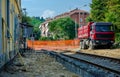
column 36, row 65
column 115, row 53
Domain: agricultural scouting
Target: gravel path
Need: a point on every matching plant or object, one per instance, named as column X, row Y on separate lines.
column 36, row 65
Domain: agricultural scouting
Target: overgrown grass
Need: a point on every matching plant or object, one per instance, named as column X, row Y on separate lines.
column 117, row 37
column 46, row 38
column 117, row 40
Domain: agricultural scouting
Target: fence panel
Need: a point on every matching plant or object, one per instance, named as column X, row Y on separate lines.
column 59, row 44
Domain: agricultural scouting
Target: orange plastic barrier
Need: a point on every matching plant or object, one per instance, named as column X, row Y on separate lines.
column 60, row 44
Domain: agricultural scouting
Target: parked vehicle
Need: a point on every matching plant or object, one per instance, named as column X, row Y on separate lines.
column 96, row 34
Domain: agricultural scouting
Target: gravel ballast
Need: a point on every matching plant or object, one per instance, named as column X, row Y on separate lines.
column 36, row 65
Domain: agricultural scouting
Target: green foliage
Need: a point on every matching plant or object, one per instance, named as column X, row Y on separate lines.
column 26, row 19
column 89, row 19
column 35, row 22
column 98, row 10
column 106, row 11
column 117, row 39
column 63, row 28
column 46, row 38
column 113, row 14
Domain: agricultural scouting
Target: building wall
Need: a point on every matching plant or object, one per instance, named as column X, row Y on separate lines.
column 75, row 17
column 79, row 16
column 0, row 29
column 44, row 29
column 9, row 24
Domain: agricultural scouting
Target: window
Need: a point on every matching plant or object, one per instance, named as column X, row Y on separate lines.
column 81, row 20
column 85, row 13
column 104, row 28
column 81, row 13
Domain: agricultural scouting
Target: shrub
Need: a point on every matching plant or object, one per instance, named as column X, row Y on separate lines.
column 46, row 38
column 117, row 37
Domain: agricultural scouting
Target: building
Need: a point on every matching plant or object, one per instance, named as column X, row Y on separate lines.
column 10, row 17
column 27, row 33
column 79, row 16
column 44, row 28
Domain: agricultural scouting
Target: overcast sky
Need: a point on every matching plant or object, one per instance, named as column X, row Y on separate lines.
column 51, row 8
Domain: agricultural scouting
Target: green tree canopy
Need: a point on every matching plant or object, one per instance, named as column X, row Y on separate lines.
column 98, row 9
column 106, row 11
column 63, row 28
column 113, row 13
column 35, row 22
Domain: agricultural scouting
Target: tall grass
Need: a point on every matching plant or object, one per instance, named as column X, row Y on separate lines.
column 117, row 37
column 117, row 40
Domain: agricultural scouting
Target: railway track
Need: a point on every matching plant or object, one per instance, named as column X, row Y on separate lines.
column 96, row 66
column 107, row 63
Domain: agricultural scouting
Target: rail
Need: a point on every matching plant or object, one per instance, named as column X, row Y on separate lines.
column 115, row 71
column 100, row 56
column 108, row 63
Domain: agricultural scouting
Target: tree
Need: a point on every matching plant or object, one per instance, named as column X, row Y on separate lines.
column 98, row 10
column 63, row 28
column 26, row 19
column 113, row 14
column 35, row 22
column 106, row 11
column 42, row 19
column 89, row 19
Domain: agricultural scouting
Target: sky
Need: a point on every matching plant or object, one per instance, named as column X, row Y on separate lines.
column 51, row 8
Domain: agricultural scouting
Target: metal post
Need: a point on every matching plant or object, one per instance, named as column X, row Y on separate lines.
column 75, row 30
column 81, row 20
column 24, row 9
column 32, row 41
column 24, row 37
column 24, row 43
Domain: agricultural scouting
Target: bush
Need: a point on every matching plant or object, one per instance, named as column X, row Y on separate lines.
column 46, row 38
column 117, row 41
column 117, row 37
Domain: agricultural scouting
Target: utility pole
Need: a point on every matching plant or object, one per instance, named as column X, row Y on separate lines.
column 75, row 29
column 24, row 9
column 75, row 32
column 24, row 29
column 80, row 19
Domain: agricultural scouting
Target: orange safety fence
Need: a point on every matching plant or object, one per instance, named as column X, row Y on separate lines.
column 60, row 44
